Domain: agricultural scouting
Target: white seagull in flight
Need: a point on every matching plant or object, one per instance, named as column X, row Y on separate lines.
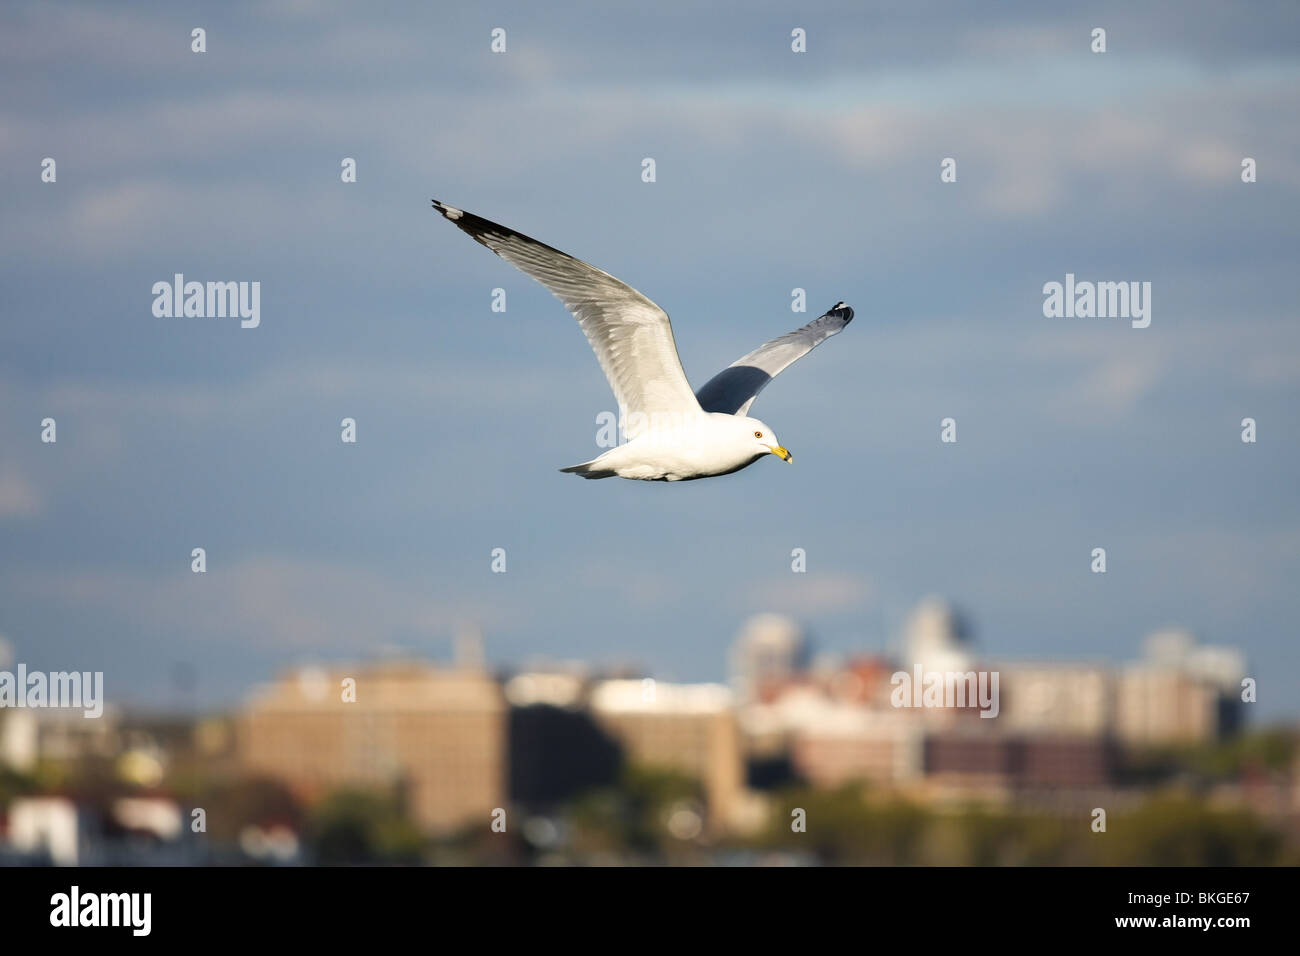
column 673, row 434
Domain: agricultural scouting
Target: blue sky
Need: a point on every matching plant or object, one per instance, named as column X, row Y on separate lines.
column 774, row 171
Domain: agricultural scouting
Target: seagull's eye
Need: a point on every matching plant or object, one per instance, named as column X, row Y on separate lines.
column 758, row 434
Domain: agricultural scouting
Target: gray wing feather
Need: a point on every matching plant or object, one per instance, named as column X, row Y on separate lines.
column 734, row 389
column 631, row 336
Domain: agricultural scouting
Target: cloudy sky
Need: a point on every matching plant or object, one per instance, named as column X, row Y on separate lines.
column 775, row 171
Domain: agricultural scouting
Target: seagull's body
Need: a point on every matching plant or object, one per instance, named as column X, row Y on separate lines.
column 704, row 446
column 673, row 434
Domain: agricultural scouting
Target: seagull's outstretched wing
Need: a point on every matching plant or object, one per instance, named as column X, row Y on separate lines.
column 631, row 336
column 734, row 389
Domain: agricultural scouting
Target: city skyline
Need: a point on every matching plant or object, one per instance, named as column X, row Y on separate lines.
column 468, row 641
column 454, row 750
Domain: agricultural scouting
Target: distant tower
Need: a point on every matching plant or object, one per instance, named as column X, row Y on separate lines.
column 770, row 647
column 1177, row 649
column 469, row 648
column 936, row 637
column 1171, row 647
column 1181, row 690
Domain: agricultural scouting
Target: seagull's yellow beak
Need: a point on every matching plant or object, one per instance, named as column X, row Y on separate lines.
column 781, row 453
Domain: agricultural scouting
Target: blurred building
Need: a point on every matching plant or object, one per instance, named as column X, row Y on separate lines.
column 690, row 728
column 1051, row 698
column 439, row 734
column 846, row 743
column 1179, row 692
column 52, row 827
column 1070, row 762
column 1058, row 725
column 18, row 739
column 937, row 638
column 65, row 831
column 1019, row 762
column 1159, row 705
column 158, row 817
column 769, row 650
column 556, row 748
column 56, row 735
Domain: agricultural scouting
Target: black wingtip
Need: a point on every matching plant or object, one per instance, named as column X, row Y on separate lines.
column 448, row 212
column 841, row 310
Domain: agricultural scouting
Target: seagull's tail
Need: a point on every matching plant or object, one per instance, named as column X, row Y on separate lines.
column 586, row 470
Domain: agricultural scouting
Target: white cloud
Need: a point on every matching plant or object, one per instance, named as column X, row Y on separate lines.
column 1117, row 384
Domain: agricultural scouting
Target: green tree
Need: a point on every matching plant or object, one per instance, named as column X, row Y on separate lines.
column 357, row 826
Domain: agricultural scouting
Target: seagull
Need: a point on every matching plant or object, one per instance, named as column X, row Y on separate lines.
column 673, row 434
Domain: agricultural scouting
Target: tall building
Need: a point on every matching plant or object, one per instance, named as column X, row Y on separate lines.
column 438, row 734
column 937, row 638
column 1052, row 698
column 1157, row 705
column 1179, row 692
column 556, row 748
column 770, row 649
column 690, row 728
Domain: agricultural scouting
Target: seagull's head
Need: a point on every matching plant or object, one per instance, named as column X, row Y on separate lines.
column 765, row 440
